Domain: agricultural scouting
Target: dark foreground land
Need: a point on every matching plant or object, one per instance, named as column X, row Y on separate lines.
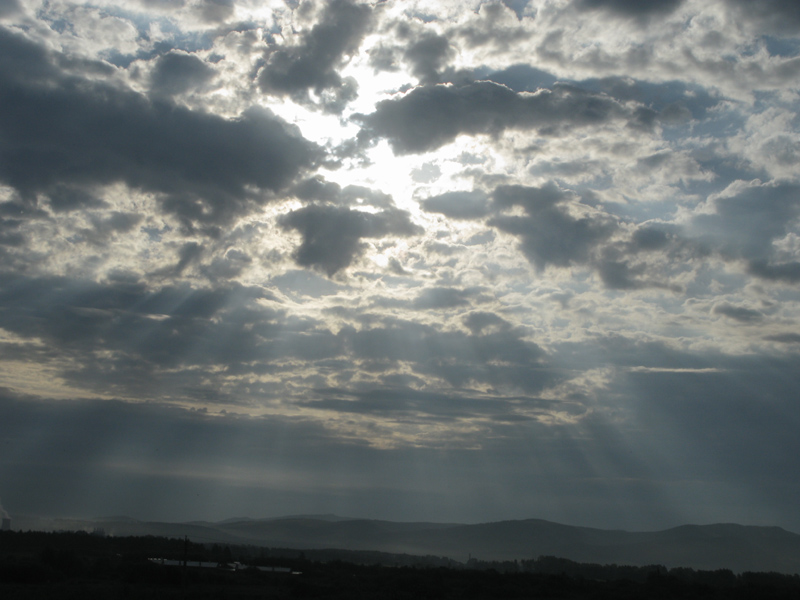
column 88, row 566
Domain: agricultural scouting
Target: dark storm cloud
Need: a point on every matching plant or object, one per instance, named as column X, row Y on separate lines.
column 619, row 275
column 9, row 8
column 747, row 220
column 229, row 266
column 316, row 189
column 648, row 238
column 209, row 11
column 313, row 64
column 738, row 313
column 558, row 230
column 428, row 55
column 784, row 338
column 493, row 28
column 10, row 234
column 630, row 355
column 64, row 132
column 788, row 272
column 446, row 297
column 332, row 235
column 408, row 403
column 121, row 337
column 501, row 358
column 188, row 254
column 779, row 16
column 671, row 102
column 302, row 282
column 408, row 341
column 103, row 228
column 479, row 321
column 630, row 8
column 623, row 265
column 549, row 234
column 429, row 117
column 215, row 11
column 65, row 198
column 177, row 72
column 451, row 376
column 145, row 330
column 459, row 205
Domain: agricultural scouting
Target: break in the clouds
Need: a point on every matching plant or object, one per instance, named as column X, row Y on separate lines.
column 408, row 260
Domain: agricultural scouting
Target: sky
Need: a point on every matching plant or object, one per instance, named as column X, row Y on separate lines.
column 457, row 261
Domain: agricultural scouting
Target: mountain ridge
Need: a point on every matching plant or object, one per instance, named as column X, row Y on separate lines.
column 709, row 547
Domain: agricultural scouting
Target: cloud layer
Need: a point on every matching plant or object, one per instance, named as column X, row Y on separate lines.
column 526, row 259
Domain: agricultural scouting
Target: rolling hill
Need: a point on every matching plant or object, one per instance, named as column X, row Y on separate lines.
column 708, row 547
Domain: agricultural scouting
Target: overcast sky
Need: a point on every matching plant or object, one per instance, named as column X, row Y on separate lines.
column 411, row 260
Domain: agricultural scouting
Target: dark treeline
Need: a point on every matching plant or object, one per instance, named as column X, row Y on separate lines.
column 83, row 565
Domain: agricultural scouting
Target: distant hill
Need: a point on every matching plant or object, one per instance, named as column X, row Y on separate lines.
column 708, row 547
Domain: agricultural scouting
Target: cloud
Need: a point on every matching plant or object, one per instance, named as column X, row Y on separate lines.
column 458, row 205
column 64, row 132
column 189, row 253
column 317, row 189
column 67, row 198
column 647, row 238
column 501, row 359
column 429, row 117
column 788, row 272
column 559, row 230
column 779, row 16
column 403, row 402
column 215, row 11
column 332, row 235
column 178, row 72
column 312, row 64
column 746, row 220
column 618, row 275
column 785, row 338
column 479, row 321
column 667, row 102
column 428, row 55
column 144, row 330
column 549, row 233
column 738, row 313
column 104, row 228
column 495, row 25
column 443, row 298
column 9, row 8
column 630, row 8
column 544, row 264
